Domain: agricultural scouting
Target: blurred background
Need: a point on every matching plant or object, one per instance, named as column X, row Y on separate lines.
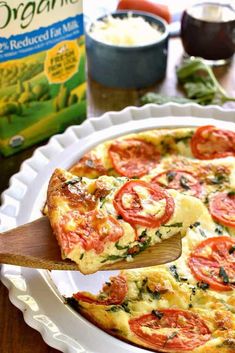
column 94, row 9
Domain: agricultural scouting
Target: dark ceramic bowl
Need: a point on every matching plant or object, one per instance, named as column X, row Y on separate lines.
column 211, row 40
column 128, row 67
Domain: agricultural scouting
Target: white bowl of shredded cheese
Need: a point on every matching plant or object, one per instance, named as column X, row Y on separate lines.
column 127, row 49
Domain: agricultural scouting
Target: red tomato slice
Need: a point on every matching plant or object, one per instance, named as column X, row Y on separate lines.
column 129, row 205
column 112, row 293
column 179, row 180
column 133, row 158
column 92, row 231
column 222, row 208
column 213, row 262
column 209, row 142
column 147, row 6
column 170, row 330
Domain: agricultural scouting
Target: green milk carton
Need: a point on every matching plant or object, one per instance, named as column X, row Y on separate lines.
column 42, row 70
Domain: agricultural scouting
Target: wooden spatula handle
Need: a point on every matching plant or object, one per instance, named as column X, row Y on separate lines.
column 19, row 246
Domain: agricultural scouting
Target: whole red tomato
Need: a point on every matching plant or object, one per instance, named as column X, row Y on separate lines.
column 146, row 6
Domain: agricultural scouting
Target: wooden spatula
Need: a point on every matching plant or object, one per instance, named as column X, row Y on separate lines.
column 34, row 245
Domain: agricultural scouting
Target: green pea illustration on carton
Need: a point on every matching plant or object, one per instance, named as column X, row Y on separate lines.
column 42, row 72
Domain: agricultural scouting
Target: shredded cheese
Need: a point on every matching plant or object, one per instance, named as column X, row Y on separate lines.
column 128, row 31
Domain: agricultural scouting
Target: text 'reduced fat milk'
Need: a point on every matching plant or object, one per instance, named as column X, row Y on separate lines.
column 42, row 70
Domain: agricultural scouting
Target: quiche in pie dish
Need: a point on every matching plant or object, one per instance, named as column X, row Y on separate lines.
column 132, row 192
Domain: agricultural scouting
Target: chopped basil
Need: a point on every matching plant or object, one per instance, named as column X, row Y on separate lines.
column 203, row 285
column 119, row 247
column 172, row 335
column 119, row 217
column 102, row 296
column 173, row 225
column 154, row 295
column 145, row 280
column 112, row 258
column 145, row 244
column 158, row 234
column 116, row 308
column 196, row 224
column 125, row 307
column 203, row 234
column 142, row 288
column 102, row 200
column 218, row 179
column 141, row 246
column 184, row 138
column 184, row 183
column 229, row 342
column 206, row 202
column 166, row 146
column 184, row 279
column 81, row 256
column 143, row 234
column 231, row 193
column 223, row 275
column 73, row 181
column 219, row 229
column 170, row 176
column 232, row 249
column 173, row 270
column 158, row 314
column 193, row 289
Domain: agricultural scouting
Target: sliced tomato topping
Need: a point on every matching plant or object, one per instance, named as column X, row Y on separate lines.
column 170, row 330
column 213, row 262
column 133, row 157
column 209, row 142
column 140, row 203
column 113, row 293
column 179, row 180
column 92, row 230
column 222, row 208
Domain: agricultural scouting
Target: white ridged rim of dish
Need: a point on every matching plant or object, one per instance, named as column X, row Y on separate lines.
column 37, row 293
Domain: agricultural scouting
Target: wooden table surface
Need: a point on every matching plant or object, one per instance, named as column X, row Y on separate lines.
column 15, row 335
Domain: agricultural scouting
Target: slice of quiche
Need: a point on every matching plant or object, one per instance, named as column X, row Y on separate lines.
column 104, row 220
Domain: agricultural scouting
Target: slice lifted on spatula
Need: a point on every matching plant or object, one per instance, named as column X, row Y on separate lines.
column 99, row 222
column 102, row 224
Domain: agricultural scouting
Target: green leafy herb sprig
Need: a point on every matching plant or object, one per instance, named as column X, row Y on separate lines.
column 199, row 83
